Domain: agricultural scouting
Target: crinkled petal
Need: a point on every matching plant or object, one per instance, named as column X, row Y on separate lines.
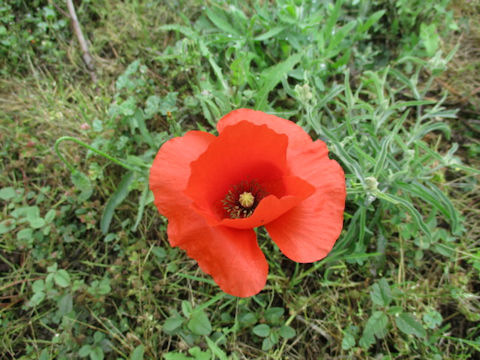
column 298, row 139
column 232, row 257
column 308, row 232
column 169, row 175
column 242, row 152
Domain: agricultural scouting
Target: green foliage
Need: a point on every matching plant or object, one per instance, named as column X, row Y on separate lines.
column 30, row 30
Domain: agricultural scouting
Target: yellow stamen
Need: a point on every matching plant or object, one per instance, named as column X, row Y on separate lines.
column 246, row 199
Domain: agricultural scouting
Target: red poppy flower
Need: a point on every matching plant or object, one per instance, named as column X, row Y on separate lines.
column 261, row 170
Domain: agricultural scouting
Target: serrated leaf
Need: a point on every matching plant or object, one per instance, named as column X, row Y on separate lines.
column 432, row 319
column 376, row 325
column 152, row 106
column 168, row 103
column 62, row 278
column 348, row 341
column 409, row 325
column 199, row 323
column 116, row 199
column 262, row 330
column 82, row 183
column 380, row 293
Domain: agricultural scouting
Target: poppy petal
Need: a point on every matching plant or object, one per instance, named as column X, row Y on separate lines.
column 298, row 139
column 243, row 152
column 221, row 252
column 232, row 257
column 168, row 179
column 308, row 232
column 271, row 207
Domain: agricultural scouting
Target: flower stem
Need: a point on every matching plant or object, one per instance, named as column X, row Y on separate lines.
column 96, row 151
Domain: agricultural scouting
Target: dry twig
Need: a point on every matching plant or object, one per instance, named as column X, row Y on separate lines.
column 87, row 58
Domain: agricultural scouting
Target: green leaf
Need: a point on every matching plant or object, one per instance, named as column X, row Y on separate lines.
column 437, row 199
column 409, row 325
column 270, row 33
column 272, row 76
column 395, row 200
column 7, row 193
column 380, row 293
column 376, row 327
column 199, row 323
column 176, row 356
column 216, row 350
column 221, row 22
column 287, row 332
column 159, row 252
column 430, row 38
column 137, row 353
column 172, row 324
column 373, row 19
column 152, row 106
column 348, row 341
column 84, row 351
column 37, row 223
column 262, row 330
column 169, row 103
column 25, row 234
column 45, row 355
column 116, row 199
column 50, row 216
column 432, row 319
column 82, row 183
column 198, row 354
column 187, row 308
column 62, row 278
column 38, row 285
column 96, row 353
column 247, row 319
column 36, row 299
column 6, row 226
column 65, row 304
column 267, row 344
column 273, row 314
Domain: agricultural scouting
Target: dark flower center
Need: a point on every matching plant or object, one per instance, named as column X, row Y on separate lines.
column 240, row 201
